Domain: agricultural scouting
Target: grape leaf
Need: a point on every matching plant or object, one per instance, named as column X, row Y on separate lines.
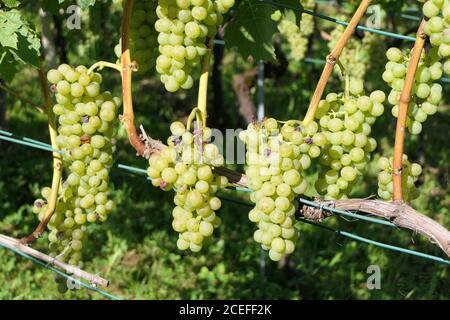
column 11, row 3
column 252, row 29
column 19, row 43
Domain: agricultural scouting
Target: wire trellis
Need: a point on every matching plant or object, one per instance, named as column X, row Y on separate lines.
column 7, row 136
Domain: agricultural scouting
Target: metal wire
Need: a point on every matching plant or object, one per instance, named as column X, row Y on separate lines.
column 143, row 173
column 337, row 21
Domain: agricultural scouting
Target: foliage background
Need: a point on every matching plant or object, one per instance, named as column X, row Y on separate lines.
column 136, row 248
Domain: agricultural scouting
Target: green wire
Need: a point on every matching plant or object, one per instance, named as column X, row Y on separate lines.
column 337, row 21
column 143, row 173
column 45, row 265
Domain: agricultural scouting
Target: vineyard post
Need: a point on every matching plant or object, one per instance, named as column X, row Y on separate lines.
column 332, row 58
column 405, row 98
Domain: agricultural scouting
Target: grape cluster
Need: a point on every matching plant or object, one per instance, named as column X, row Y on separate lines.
column 186, row 166
column 297, row 35
column 426, row 93
column 438, row 28
column 85, row 135
column 345, row 121
column 142, row 37
column 184, row 27
column 276, row 158
column 358, row 55
column 410, row 174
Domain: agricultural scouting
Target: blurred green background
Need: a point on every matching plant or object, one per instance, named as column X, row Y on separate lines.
column 136, row 248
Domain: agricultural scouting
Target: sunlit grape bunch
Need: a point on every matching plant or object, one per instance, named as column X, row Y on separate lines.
column 276, row 157
column 297, row 35
column 143, row 42
column 186, row 166
column 438, row 28
column 345, row 121
column 426, row 93
column 410, row 173
column 184, row 29
column 85, row 118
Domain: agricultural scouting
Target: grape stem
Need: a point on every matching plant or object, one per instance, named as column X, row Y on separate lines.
column 202, row 100
column 127, row 118
column 57, row 162
column 332, row 59
column 72, row 270
column 405, row 98
column 18, row 96
column 102, row 64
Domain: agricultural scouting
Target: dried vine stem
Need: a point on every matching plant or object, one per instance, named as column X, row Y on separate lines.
column 332, row 58
column 128, row 114
column 72, row 270
column 398, row 213
column 405, row 98
column 57, row 162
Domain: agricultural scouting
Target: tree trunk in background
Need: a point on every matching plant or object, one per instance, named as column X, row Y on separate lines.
column 2, row 106
column 47, row 36
column 218, row 111
column 60, row 40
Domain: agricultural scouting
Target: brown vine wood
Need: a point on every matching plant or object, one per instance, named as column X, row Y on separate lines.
column 333, row 58
column 405, row 98
column 69, row 269
column 397, row 212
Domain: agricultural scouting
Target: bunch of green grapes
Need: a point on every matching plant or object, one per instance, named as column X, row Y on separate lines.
column 276, row 157
column 426, row 93
column 143, row 41
column 346, row 120
column 410, row 174
column 185, row 27
column 186, row 166
column 357, row 55
column 353, row 56
column 297, row 35
column 85, row 134
column 438, row 28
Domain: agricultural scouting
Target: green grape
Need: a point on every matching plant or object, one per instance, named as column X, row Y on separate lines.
column 410, row 174
column 425, row 94
column 83, row 196
column 347, row 130
column 184, row 28
column 187, row 169
column 275, row 173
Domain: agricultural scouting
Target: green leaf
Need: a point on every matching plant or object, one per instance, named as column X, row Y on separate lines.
column 11, row 3
column 8, row 67
column 18, row 43
column 251, row 30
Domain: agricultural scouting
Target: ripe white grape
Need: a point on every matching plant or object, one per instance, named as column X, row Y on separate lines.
column 85, row 135
column 186, row 167
column 184, row 30
column 410, row 174
column 345, row 122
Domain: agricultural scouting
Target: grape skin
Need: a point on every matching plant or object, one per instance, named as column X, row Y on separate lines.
column 346, row 122
column 274, row 166
column 186, row 167
column 410, row 174
column 184, row 29
column 85, row 135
